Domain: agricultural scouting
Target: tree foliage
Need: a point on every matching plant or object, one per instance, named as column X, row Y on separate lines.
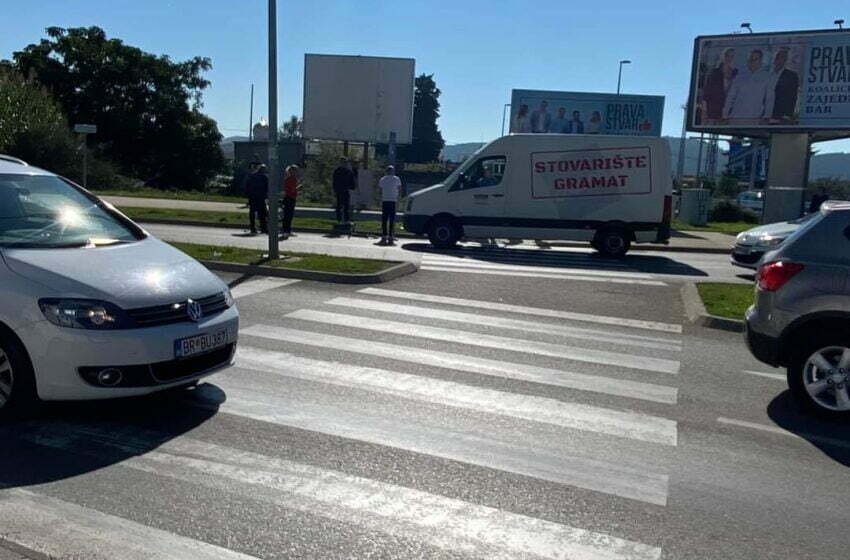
column 146, row 107
column 427, row 138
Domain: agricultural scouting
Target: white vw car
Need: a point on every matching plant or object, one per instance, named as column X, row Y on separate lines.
column 91, row 306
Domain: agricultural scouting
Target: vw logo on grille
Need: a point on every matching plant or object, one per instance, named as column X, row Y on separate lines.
column 194, row 310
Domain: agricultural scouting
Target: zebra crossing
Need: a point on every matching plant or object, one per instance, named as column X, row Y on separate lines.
column 559, row 265
column 579, row 401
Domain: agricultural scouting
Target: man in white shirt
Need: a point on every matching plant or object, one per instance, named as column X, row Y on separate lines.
column 745, row 101
column 390, row 185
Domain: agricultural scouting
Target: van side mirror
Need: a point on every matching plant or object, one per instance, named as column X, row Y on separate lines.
column 462, row 180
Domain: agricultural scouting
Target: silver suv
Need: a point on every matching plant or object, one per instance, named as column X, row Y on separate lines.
column 801, row 316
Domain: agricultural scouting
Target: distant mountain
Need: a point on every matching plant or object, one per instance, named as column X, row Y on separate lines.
column 227, row 145
column 830, row 165
column 459, row 152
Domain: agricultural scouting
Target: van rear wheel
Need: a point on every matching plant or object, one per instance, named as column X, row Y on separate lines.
column 443, row 233
column 612, row 242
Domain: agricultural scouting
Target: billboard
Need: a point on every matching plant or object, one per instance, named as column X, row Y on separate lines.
column 791, row 82
column 569, row 112
column 358, row 98
column 591, row 172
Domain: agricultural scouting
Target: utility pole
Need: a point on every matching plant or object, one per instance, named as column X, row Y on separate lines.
column 274, row 179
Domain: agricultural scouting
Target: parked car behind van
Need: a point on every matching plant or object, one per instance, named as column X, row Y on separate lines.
column 611, row 191
column 801, row 316
column 92, row 306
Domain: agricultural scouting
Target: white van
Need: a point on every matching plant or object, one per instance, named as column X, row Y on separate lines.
column 608, row 190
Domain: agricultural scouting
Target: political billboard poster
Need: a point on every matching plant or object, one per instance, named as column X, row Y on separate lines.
column 358, row 98
column 569, row 112
column 791, row 82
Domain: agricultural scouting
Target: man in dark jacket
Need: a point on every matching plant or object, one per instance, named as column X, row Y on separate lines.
column 343, row 184
column 782, row 99
column 257, row 189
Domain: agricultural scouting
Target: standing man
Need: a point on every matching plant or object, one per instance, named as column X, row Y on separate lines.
column 576, row 126
column 257, row 189
column 343, row 184
column 541, row 120
column 817, row 200
column 290, row 195
column 745, row 101
column 560, row 124
column 784, row 87
column 390, row 185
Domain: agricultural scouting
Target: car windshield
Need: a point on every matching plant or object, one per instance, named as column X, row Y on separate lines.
column 45, row 211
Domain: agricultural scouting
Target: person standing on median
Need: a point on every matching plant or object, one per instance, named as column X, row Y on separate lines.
column 290, row 194
column 390, row 185
column 257, row 189
column 343, row 184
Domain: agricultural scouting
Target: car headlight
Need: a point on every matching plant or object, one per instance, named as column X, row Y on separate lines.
column 228, row 298
column 84, row 314
column 770, row 241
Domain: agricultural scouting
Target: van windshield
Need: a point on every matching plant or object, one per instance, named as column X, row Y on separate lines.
column 45, row 211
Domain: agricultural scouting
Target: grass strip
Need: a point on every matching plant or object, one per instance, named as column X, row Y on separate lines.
column 726, row 300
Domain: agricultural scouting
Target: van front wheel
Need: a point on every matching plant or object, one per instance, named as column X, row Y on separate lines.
column 443, row 233
column 612, row 242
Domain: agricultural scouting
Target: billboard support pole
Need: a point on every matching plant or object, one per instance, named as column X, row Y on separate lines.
column 274, row 180
column 786, row 172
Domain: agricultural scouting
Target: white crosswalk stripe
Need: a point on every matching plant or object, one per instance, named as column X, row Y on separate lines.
column 545, row 275
column 489, row 341
column 442, row 522
column 562, row 378
column 60, row 529
column 259, row 285
column 475, row 263
column 524, row 310
column 510, row 324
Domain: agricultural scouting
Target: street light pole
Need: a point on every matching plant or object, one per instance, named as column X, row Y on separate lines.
column 274, row 180
column 620, row 74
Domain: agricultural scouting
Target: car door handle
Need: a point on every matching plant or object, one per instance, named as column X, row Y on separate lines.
column 497, row 195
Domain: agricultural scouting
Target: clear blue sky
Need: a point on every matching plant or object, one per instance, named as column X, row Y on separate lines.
column 478, row 50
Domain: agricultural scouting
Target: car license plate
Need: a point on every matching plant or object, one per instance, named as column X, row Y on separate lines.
column 200, row 344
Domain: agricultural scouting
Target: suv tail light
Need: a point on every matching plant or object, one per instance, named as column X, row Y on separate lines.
column 667, row 213
column 773, row 275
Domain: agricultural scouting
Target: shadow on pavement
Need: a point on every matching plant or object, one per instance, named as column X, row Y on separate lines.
column 654, row 264
column 832, row 437
column 65, row 440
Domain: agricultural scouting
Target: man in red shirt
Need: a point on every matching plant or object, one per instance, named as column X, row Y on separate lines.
column 290, row 194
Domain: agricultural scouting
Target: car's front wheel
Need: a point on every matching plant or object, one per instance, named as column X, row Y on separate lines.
column 17, row 386
column 819, row 376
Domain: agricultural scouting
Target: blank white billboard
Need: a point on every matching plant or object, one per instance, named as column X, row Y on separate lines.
column 358, row 98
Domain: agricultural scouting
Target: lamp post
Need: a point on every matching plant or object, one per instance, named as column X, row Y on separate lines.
column 839, row 23
column 746, row 25
column 274, row 181
column 620, row 74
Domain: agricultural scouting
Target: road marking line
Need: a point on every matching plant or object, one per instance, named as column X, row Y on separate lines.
column 260, row 285
column 442, row 522
column 542, row 275
column 532, row 268
column 617, row 359
column 508, row 323
column 512, row 256
column 460, row 362
column 625, row 424
column 538, row 311
column 802, row 436
column 776, row 376
column 60, row 529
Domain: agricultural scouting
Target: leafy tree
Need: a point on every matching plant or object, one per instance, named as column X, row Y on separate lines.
column 146, row 107
column 427, row 138
column 291, row 129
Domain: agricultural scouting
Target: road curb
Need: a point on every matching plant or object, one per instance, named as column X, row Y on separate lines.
column 391, row 273
column 697, row 314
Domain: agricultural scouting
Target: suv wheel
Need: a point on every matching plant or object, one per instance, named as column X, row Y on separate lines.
column 443, row 233
column 17, row 388
column 819, row 376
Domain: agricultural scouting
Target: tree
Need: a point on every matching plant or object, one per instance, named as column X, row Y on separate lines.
column 291, row 129
column 427, row 138
column 146, row 107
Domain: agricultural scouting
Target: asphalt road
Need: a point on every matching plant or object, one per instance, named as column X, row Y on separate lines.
column 443, row 415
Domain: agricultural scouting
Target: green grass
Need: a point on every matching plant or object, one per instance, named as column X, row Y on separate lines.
column 726, row 300
column 730, row 228
column 298, row 261
column 148, row 192
column 234, row 218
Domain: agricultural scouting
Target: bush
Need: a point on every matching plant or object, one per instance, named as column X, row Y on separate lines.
column 727, row 212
